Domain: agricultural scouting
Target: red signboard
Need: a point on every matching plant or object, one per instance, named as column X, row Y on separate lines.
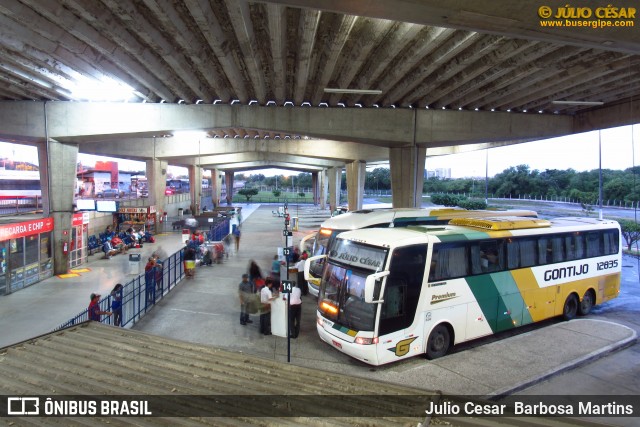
column 79, row 219
column 28, row 228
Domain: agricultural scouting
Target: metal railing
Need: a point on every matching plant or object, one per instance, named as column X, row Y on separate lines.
column 19, row 205
column 138, row 295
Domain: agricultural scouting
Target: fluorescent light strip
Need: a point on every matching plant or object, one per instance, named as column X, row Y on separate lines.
column 577, row 102
column 358, row 91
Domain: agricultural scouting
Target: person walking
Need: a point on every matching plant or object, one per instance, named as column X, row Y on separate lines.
column 295, row 311
column 246, row 290
column 266, row 296
column 150, row 280
column 236, row 235
column 94, row 308
column 275, row 270
column 116, row 304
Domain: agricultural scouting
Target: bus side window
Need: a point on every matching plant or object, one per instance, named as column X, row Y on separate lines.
column 594, row 244
column 491, row 256
column 475, row 254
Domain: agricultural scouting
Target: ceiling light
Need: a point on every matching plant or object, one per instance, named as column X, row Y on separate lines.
column 357, row 91
column 524, row 111
column 592, row 103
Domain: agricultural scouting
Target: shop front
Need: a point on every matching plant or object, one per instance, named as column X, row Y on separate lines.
column 78, row 244
column 139, row 218
column 26, row 254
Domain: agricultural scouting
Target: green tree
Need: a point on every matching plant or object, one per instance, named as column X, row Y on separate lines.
column 248, row 192
column 630, row 232
column 276, row 193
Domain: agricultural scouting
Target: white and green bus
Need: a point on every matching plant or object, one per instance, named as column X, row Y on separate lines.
column 389, row 294
column 383, row 218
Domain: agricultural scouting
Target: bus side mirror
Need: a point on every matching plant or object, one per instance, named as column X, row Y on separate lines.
column 370, row 285
column 307, row 265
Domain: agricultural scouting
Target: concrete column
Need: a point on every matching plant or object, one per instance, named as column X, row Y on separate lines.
column 314, row 187
column 228, row 180
column 195, row 187
column 157, row 182
column 335, row 178
column 407, row 176
column 216, row 187
column 60, row 169
column 323, row 188
column 356, row 172
column 43, row 162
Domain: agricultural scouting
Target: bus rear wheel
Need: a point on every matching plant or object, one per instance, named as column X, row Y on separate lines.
column 438, row 343
column 586, row 304
column 570, row 307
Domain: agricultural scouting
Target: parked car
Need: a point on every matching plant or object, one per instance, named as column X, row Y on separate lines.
column 109, row 193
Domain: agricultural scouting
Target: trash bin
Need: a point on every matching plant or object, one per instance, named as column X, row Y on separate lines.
column 135, row 264
column 180, row 212
column 294, row 223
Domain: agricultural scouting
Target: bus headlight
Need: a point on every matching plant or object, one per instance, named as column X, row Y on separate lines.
column 328, row 307
column 366, row 341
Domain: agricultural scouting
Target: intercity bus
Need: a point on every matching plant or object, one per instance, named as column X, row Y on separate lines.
column 390, row 294
column 381, row 218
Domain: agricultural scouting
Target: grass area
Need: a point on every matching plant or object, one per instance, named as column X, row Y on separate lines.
column 268, row 197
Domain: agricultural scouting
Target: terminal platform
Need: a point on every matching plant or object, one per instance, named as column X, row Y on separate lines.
column 205, row 311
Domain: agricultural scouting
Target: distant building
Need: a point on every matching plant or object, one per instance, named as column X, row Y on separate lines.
column 438, row 173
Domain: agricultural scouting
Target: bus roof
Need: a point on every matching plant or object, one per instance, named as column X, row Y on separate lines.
column 421, row 234
column 383, row 217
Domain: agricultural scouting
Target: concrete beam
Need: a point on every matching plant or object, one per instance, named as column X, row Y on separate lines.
column 183, row 151
column 384, row 127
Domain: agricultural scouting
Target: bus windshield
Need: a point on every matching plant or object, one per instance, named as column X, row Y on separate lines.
column 341, row 296
column 321, row 244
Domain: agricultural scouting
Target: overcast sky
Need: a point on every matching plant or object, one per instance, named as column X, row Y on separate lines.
column 579, row 152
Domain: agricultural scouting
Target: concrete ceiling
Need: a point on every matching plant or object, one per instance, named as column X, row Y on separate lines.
column 484, row 55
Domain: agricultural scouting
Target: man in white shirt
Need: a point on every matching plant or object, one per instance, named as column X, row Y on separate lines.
column 295, row 311
column 265, row 313
column 300, row 267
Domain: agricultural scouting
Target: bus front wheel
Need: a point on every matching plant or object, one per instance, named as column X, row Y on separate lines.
column 439, row 341
column 586, row 304
column 570, row 307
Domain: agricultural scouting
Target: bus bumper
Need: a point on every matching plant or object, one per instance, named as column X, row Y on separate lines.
column 364, row 353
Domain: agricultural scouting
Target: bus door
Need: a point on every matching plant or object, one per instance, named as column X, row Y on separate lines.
column 399, row 329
